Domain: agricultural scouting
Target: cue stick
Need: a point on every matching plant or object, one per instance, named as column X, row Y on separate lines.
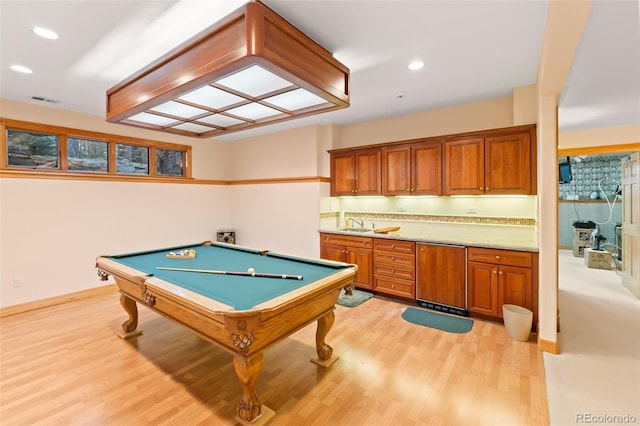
column 244, row 274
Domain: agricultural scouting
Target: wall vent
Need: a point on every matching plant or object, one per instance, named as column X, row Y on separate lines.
column 43, row 99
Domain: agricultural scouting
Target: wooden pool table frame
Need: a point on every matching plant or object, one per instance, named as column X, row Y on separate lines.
column 246, row 334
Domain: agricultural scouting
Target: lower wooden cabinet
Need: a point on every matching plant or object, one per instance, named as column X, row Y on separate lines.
column 394, row 267
column 476, row 279
column 441, row 277
column 356, row 250
column 497, row 277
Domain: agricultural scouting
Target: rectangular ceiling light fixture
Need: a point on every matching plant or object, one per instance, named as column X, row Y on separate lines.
column 250, row 69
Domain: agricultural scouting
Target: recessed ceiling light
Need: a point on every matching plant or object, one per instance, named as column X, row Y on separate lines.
column 416, row 65
column 45, row 33
column 21, row 68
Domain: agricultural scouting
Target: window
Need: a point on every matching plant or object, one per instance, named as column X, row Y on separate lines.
column 31, row 148
column 132, row 159
column 86, row 155
column 169, row 162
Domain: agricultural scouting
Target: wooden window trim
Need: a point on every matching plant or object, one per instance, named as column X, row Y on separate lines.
column 62, row 173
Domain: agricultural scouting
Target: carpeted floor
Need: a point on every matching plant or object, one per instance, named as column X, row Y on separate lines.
column 597, row 372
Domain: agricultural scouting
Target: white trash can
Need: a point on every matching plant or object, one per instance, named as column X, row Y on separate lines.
column 517, row 321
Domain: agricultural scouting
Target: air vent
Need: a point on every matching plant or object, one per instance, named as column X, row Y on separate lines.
column 43, row 99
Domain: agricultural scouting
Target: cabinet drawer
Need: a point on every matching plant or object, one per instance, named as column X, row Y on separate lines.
column 396, row 246
column 394, row 271
column 346, row 240
column 500, row 257
column 394, row 258
column 404, row 288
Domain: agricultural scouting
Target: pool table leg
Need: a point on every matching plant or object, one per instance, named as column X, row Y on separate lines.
column 130, row 325
column 323, row 350
column 248, row 370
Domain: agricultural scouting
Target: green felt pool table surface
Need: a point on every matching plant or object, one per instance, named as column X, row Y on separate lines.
column 239, row 292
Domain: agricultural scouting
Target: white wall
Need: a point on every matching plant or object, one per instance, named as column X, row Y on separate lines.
column 52, row 230
column 278, row 217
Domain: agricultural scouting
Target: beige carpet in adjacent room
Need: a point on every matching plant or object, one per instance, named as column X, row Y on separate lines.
column 596, row 376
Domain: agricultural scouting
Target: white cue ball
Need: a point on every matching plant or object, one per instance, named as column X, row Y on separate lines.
column 251, row 270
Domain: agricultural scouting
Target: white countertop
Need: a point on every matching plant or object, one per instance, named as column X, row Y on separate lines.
column 491, row 237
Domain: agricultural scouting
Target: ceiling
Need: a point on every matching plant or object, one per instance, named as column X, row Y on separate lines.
column 472, row 50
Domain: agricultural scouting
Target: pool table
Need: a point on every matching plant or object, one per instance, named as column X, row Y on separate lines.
column 242, row 312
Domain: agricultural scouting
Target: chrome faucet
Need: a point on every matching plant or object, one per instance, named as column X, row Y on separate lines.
column 358, row 221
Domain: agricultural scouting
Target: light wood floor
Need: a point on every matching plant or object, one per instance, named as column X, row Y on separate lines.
column 64, row 365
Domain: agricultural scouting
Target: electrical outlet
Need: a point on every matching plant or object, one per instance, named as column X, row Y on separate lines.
column 17, row 282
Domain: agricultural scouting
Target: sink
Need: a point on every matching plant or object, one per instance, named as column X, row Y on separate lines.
column 355, row 229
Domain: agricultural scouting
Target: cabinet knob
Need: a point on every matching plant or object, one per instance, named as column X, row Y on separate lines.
column 345, row 251
column 495, row 272
column 487, row 188
column 498, row 257
column 500, row 273
column 481, row 188
column 408, row 190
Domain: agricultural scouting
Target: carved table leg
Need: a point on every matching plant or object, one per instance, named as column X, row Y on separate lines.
column 323, row 350
column 130, row 325
column 348, row 289
column 248, row 371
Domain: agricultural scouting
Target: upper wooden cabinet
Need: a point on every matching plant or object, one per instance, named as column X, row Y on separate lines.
column 464, row 166
column 491, row 164
column 355, row 172
column 412, row 169
column 498, row 161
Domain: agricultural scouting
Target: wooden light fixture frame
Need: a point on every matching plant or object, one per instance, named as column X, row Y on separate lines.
column 252, row 35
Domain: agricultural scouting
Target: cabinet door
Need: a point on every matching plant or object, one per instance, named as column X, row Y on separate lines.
column 508, row 164
column 464, row 166
column 364, row 259
column 396, row 170
column 482, row 288
column 514, row 287
column 343, row 174
column 332, row 252
column 368, row 176
column 426, row 169
column 441, row 277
